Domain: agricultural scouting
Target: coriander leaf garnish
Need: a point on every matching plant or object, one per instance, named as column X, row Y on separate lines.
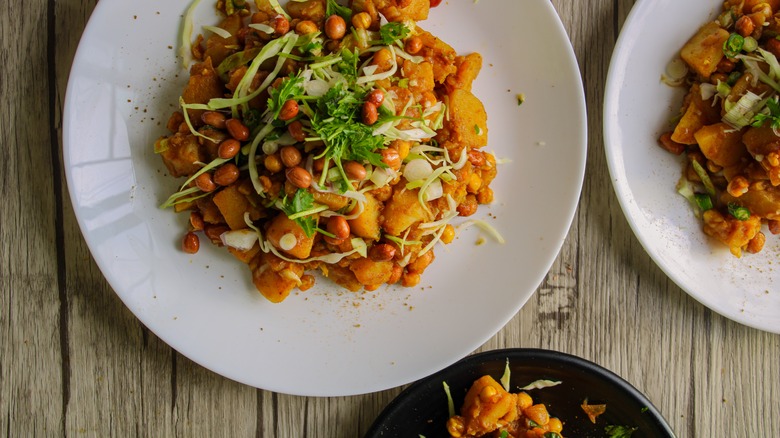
column 392, row 32
column 301, row 202
column 333, row 7
column 335, row 120
column 291, row 88
column 619, row 431
column 348, row 66
column 774, row 115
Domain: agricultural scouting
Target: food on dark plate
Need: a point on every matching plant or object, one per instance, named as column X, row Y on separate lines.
column 490, row 410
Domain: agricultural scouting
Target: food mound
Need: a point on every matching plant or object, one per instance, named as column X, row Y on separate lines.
column 326, row 137
column 729, row 125
column 489, row 410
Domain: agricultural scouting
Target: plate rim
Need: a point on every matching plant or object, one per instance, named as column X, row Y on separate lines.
column 617, row 173
column 554, row 357
column 559, row 238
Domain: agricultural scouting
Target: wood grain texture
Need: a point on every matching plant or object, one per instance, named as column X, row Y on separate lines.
column 31, row 378
column 75, row 362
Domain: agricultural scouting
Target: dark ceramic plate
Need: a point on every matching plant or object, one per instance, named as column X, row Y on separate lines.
column 421, row 409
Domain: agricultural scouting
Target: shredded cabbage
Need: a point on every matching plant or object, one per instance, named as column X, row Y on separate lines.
column 185, row 50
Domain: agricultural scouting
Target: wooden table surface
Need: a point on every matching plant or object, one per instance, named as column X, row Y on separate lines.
column 75, row 362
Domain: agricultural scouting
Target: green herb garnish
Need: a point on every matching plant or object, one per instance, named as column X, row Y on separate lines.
column 392, row 32
column 774, row 115
column 333, row 7
column 301, row 202
column 335, row 121
column 291, row 88
column 619, row 431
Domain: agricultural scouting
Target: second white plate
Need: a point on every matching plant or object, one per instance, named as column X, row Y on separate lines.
column 637, row 109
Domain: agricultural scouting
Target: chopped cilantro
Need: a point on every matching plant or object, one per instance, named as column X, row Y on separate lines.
column 348, row 66
column 335, row 121
column 301, row 202
column 619, row 431
column 333, row 7
column 774, row 115
column 392, row 32
column 291, row 88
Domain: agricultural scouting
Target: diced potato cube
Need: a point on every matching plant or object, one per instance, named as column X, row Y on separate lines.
column 367, row 224
column 762, row 203
column 761, row 141
column 721, row 144
column 416, row 10
column 273, row 277
column 282, row 225
column 369, row 272
column 232, row 204
column 698, row 113
column 704, row 50
column 440, row 54
column 204, row 85
column 468, row 69
column 467, row 122
column 403, row 210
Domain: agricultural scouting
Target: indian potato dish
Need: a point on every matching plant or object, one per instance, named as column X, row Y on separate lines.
column 343, row 139
column 489, row 410
column 729, row 124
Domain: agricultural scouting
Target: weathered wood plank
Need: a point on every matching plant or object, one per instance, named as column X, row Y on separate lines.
column 102, row 373
column 30, row 361
column 119, row 373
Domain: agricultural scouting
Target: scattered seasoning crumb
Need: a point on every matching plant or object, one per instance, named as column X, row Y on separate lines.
column 480, row 241
column 520, row 99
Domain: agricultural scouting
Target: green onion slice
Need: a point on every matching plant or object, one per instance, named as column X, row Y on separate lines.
column 738, row 212
column 703, row 201
column 733, row 45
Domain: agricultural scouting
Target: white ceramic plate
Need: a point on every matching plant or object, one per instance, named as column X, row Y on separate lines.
column 325, row 342
column 638, row 108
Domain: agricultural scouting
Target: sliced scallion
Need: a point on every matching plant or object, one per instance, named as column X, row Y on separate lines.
column 738, row 212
